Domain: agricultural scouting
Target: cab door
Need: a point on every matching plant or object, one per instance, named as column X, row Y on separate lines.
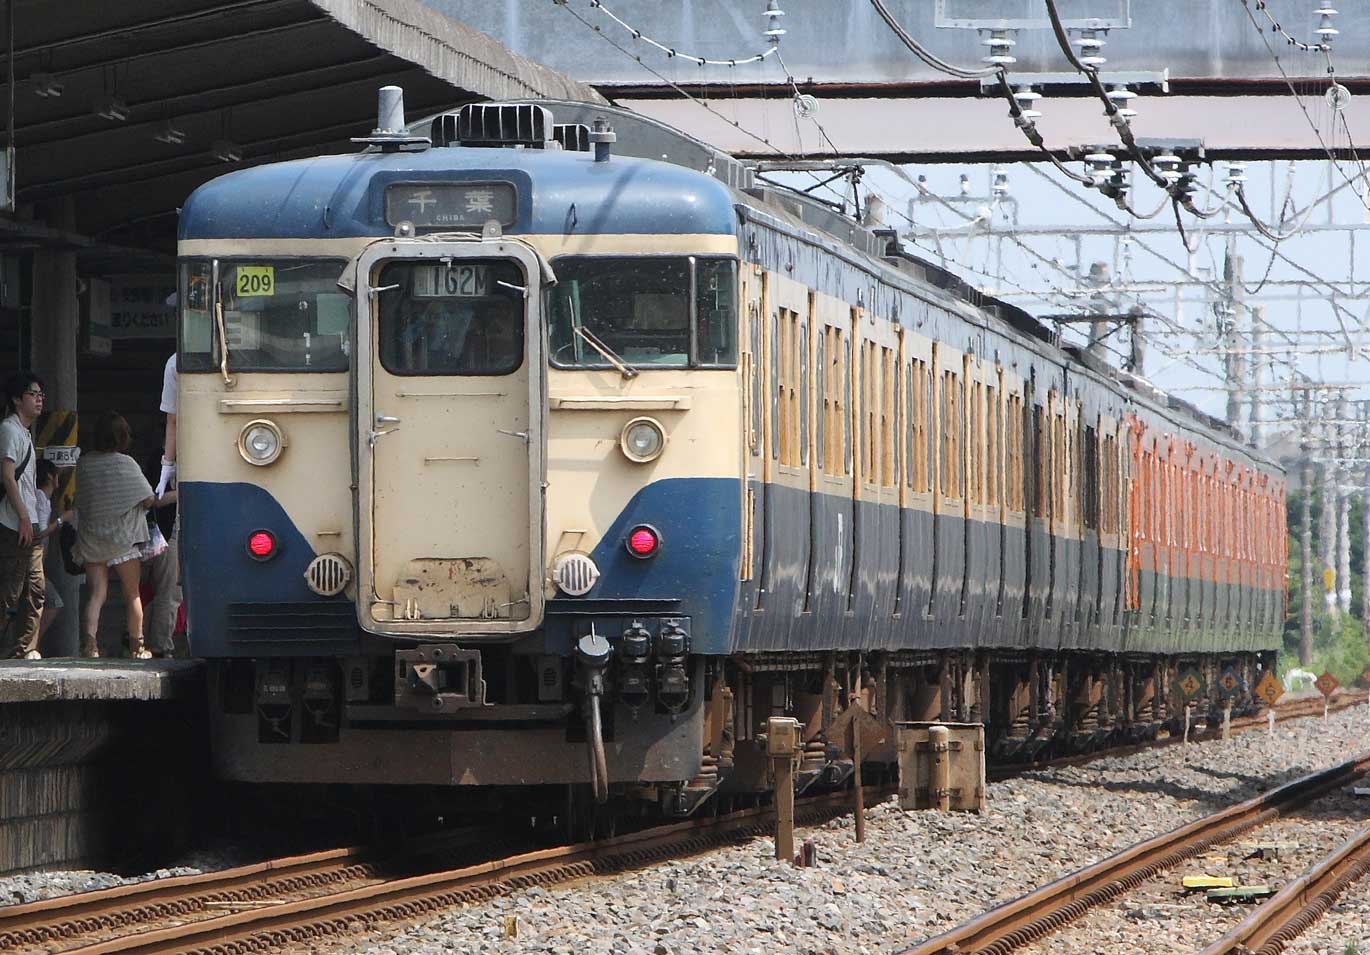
column 450, row 443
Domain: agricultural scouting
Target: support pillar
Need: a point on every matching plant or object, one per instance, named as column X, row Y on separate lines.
column 1343, row 514
column 1306, row 557
column 55, row 331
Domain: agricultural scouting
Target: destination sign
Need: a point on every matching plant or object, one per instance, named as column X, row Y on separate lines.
column 466, row 205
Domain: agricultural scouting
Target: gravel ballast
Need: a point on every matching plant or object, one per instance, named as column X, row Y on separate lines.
column 917, row 874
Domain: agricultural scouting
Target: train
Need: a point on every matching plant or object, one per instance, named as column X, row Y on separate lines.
column 540, row 447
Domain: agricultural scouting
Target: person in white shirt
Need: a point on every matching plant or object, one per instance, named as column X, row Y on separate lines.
column 164, row 570
column 21, row 552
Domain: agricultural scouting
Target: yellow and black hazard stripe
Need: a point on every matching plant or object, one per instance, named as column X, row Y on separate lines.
column 56, row 429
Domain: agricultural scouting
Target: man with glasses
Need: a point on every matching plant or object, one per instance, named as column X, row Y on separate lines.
column 21, row 551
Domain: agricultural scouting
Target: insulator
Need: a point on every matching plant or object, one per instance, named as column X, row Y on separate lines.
column 1091, row 44
column 1325, row 31
column 1121, row 97
column 773, row 14
column 1026, row 97
column 1168, row 166
column 1101, row 166
column 1236, row 174
column 1000, row 48
column 999, row 180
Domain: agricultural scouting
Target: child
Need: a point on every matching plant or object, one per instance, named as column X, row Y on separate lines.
column 47, row 486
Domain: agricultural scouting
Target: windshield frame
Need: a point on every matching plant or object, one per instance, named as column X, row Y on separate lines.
column 692, row 362
column 216, row 346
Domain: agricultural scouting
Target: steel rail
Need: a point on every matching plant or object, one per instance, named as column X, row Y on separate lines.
column 50, row 920
column 1048, row 908
column 1292, row 910
column 291, row 922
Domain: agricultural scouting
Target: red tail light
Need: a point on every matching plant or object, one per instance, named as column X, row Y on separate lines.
column 261, row 545
column 643, row 541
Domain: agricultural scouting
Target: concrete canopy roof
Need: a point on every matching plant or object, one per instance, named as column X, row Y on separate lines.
column 275, row 78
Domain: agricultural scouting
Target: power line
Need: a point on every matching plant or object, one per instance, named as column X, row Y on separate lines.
column 773, row 34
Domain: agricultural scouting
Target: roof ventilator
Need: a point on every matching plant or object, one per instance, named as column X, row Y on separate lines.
column 390, row 133
column 574, row 137
column 495, row 124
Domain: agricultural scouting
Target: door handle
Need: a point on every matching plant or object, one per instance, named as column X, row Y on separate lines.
column 373, row 435
column 386, row 419
column 521, row 435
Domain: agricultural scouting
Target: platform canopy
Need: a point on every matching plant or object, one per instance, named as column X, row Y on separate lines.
column 122, row 108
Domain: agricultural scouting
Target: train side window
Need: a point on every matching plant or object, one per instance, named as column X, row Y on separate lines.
column 977, row 444
column 716, row 304
column 820, row 380
column 757, row 406
column 1090, row 465
column 844, row 412
column 804, row 394
column 776, row 430
column 994, row 423
column 889, row 447
column 953, row 429
column 1039, row 462
column 910, row 440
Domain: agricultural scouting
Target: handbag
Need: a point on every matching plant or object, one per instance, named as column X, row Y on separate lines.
column 155, row 545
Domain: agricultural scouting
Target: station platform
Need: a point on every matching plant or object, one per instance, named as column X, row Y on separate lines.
column 113, row 680
column 98, row 759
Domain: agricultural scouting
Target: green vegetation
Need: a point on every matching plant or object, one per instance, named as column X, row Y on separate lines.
column 1341, row 648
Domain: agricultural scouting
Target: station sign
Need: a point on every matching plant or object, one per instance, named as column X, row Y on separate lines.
column 62, row 455
column 1327, row 684
column 1229, row 683
column 1190, row 683
column 1270, row 689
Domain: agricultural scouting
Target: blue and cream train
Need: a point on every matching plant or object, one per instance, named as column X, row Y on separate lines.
column 523, row 453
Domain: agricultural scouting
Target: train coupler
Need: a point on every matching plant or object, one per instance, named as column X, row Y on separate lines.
column 439, row 678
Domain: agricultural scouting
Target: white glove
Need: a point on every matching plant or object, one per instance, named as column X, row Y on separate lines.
column 167, row 477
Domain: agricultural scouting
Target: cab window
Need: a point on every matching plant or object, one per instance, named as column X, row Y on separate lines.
column 461, row 317
column 279, row 315
column 652, row 312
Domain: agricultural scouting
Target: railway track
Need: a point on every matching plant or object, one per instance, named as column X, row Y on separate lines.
column 1301, row 708
column 1300, row 903
column 1047, row 909
column 310, row 898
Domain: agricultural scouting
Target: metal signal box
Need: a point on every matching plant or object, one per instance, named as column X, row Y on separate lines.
column 941, row 765
column 782, row 736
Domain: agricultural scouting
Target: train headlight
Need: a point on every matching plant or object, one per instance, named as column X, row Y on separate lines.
column 643, row 440
column 261, row 442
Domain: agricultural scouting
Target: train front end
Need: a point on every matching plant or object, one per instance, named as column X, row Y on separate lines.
column 460, row 492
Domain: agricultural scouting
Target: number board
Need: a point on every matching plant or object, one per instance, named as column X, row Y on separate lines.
column 1269, row 689
column 1229, row 682
column 466, row 205
column 1190, row 684
column 454, row 280
column 1327, row 684
column 255, row 280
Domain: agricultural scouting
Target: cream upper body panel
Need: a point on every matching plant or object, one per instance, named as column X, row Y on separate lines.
column 311, row 479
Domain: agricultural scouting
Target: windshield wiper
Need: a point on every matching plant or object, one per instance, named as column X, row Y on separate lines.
column 607, row 353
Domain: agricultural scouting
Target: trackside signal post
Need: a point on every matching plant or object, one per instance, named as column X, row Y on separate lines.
column 783, row 745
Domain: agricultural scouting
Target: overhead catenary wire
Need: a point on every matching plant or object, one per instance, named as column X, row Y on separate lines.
column 670, row 51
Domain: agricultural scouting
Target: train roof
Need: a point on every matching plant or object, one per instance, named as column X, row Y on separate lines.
column 344, row 196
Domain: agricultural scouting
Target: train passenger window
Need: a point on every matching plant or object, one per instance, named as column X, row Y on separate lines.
column 1090, row 464
column 640, row 308
column 910, row 432
column 279, row 315
column 994, row 421
column 842, row 410
column 465, row 318
column 820, row 379
column 1039, row 462
column 777, row 424
column 804, row 395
